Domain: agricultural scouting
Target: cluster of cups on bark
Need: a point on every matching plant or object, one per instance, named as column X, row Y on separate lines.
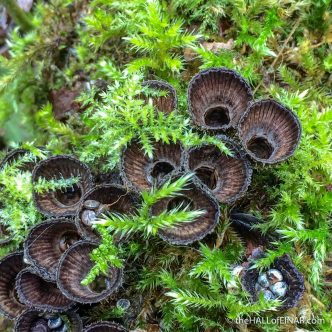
column 43, row 281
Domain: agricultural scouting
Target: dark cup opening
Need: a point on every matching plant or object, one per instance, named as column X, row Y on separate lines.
column 260, row 147
column 182, row 201
column 100, row 284
column 161, row 169
column 67, row 240
column 69, row 196
column 208, row 175
column 40, row 326
column 217, row 116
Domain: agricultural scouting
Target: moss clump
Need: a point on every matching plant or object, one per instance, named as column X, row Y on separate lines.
column 103, row 51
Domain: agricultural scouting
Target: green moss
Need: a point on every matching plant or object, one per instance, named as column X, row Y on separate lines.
column 281, row 47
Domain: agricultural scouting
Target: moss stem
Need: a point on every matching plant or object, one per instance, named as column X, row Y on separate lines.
column 17, row 14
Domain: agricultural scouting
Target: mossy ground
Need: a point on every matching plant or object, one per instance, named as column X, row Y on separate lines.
column 101, row 51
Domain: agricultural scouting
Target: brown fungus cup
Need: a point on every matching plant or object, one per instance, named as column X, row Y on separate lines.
column 142, row 172
column 101, row 200
column 105, row 327
column 74, row 266
column 217, row 98
column 164, row 99
column 45, row 244
column 40, row 294
column 227, row 176
column 61, row 203
column 36, row 321
column 195, row 197
column 269, row 132
column 10, row 267
column 13, row 156
column 291, row 276
column 111, row 177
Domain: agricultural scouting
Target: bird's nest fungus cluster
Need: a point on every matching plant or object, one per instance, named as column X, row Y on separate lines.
column 40, row 287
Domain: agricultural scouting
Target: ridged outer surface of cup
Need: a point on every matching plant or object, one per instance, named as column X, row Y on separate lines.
column 196, row 230
column 105, row 327
column 231, row 173
column 138, row 170
column 57, row 167
column 10, row 267
column 43, row 249
column 74, row 265
column 37, row 293
column 278, row 126
column 218, row 88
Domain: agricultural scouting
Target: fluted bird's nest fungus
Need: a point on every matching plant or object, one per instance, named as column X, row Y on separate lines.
column 41, row 288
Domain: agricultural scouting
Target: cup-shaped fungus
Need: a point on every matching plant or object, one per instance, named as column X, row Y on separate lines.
column 282, row 281
column 227, row 176
column 101, row 200
column 217, row 98
column 61, row 202
column 45, row 244
column 193, row 197
column 74, row 265
column 269, row 131
column 142, row 172
column 40, row 294
column 36, row 321
column 10, row 267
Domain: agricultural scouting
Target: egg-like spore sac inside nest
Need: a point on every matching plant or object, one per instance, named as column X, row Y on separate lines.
column 91, row 204
column 274, row 276
column 57, row 324
column 271, row 284
column 88, row 217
